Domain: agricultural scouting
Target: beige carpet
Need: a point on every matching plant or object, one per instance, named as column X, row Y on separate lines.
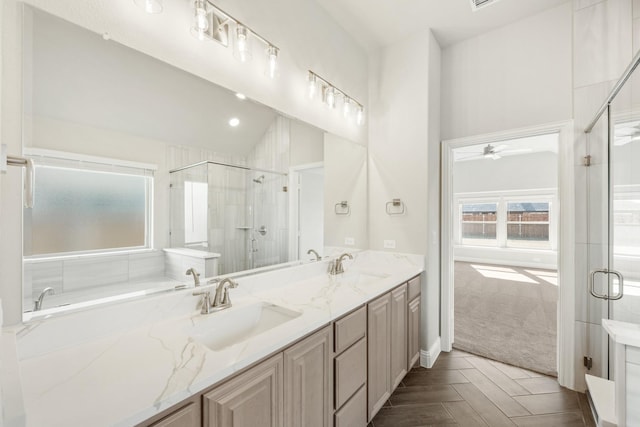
column 507, row 314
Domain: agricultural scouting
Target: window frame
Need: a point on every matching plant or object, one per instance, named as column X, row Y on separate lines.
column 502, row 199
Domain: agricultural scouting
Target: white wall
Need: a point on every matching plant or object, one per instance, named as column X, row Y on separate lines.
column 345, row 179
column 306, row 144
column 307, row 36
column 524, row 172
column 403, row 158
column 515, row 76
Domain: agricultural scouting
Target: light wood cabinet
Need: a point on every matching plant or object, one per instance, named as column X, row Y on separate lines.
column 378, row 353
column 308, row 381
column 413, row 332
column 398, row 335
column 187, row 416
column 351, row 372
column 354, row 412
column 350, row 328
column 252, row 399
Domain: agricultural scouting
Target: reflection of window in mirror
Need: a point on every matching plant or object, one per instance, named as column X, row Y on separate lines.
column 87, row 208
column 195, row 213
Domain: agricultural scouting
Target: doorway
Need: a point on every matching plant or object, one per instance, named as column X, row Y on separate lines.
column 503, row 215
column 307, row 210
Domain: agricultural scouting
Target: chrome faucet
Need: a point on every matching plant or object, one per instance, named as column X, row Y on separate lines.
column 196, row 276
column 336, row 266
column 311, row 251
column 221, row 298
column 37, row 305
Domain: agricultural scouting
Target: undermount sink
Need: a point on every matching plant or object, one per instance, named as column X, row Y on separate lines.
column 224, row 329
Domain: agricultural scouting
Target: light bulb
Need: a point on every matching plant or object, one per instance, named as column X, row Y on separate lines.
column 330, row 97
column 241, row 96
column 313, row 85
column 234, row 122
column 149, row 6
column 272, row 61
column 243, row 47
column 360, row 116
column 346, row 107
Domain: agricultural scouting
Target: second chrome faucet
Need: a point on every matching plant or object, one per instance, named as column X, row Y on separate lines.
column 336, row 266
column 221, row 298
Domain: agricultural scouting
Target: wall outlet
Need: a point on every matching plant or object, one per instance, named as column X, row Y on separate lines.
column 349, row 241
column 389, row 244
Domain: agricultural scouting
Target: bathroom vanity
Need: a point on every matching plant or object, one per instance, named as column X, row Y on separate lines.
column 298, row 347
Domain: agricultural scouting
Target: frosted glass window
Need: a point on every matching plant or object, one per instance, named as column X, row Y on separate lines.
column 195, row 212
column 78, row 210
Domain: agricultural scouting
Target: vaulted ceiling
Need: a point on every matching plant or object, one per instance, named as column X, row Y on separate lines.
column 377, row 23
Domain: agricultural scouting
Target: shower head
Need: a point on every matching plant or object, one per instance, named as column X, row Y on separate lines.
column 259, row 179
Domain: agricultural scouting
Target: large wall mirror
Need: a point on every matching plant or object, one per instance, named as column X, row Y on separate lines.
column 144, row 172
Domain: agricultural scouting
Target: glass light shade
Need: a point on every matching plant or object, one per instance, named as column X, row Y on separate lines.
column 149, row 6
column 313, row 85
column 242, row 49
column 272, row 62
column 200, row 18
column 346, row 107
column 360, row 116
column 330, row 97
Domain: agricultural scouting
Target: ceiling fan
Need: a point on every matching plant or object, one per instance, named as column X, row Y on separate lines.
column 490, row 151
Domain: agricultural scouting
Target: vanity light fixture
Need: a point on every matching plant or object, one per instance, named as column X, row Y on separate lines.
column 331, row 95
column 234, row 122
column 149, row 6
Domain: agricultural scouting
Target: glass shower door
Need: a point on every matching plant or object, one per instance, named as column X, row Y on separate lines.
column 624, row 203
column 613, row 212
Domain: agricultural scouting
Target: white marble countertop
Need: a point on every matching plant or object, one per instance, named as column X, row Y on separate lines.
column 120, row 365
column 622, row 332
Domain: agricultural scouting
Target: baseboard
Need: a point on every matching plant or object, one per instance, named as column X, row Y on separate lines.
column 429, row 357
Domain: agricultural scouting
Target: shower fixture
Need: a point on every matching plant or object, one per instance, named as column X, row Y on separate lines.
column 259, row 180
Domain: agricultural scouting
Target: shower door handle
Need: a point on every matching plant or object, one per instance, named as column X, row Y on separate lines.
column 592, row 291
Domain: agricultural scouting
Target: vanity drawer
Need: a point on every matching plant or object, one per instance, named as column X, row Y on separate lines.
column 350, row 329
column 414, row 288
column 354, row 412
column 350, row 372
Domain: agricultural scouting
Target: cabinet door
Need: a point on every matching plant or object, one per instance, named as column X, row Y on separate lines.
column 378, row 354
column 398, row 335
column 252, row 399
column 187, row 416
column 308, row 381
column 413, row 332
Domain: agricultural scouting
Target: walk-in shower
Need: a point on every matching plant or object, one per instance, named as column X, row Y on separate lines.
column 236, row 211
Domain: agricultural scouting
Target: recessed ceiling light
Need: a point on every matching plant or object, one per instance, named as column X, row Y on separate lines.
column 241, row 96
column 234, row 121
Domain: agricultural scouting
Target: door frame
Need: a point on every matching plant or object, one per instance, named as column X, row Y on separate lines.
column 566, row 238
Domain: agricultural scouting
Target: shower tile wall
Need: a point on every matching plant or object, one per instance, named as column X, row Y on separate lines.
column 269, row 200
